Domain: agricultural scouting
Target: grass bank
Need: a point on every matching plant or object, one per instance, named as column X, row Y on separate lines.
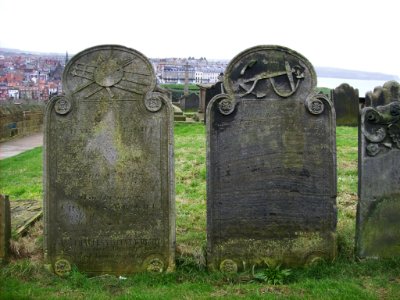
column 346, row 278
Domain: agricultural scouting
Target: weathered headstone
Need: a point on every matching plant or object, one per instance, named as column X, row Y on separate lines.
column 5, row 228
column 378, row 210
column 202, row 97
column 383, row 95
column 346, row 101
column 271, row 160
column 189, row 102
column 178, row 113
column 214, row 90
column 108, row 170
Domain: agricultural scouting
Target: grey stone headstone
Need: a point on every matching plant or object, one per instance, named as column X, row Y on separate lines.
column 378, row 210
column 346, row 101
column 271, row 164
column 108, row 167
column 189, row 102
column 5, row 228
column 383, row 95
column 211, row 92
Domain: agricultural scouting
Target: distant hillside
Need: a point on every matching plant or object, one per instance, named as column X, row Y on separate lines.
column 321, row 71
column 8, row 51
column 352, row 74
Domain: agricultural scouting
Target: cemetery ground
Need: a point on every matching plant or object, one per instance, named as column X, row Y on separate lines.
column 25, row 277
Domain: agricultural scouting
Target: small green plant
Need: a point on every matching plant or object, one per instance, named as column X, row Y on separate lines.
column 271, row 275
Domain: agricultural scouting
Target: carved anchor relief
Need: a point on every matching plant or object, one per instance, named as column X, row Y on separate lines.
column 294, row 76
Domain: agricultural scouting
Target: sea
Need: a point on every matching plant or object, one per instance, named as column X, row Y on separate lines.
column 362, row 85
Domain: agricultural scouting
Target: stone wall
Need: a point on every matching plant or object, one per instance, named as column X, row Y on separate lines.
column 18, row 119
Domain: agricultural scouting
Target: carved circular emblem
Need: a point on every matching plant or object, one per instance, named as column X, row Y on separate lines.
column 108, row 73
column 315, row 106
column 153, row 102
column 314, row 259
column 62, row 106
column 226, row 106
column 155, row 265
column 372, row 115
column 373, row 149
column 228, row 266
column 62, row 267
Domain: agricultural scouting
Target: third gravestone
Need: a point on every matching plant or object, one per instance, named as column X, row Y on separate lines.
column 271, row 160
column 378, row 210
column 345, row 99
column 108, row 173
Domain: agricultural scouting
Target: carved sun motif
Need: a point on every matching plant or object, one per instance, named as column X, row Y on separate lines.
column 109, row 72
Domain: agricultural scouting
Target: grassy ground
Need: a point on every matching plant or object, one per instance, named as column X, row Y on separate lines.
column 26, row 278
column 21, row 175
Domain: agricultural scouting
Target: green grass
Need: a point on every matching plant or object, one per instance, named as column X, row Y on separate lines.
column 175, row 86
column 343, row 279
column 21, row 175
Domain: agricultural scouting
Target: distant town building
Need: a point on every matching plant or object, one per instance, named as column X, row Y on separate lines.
column 172, row 70
column 38, row 77
column 30, row 76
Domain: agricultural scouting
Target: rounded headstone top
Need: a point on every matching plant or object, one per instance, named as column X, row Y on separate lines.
column 110, row 70
column 177, row 109
column 269, row 71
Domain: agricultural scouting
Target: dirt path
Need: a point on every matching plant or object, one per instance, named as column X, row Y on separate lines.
column 19, row 145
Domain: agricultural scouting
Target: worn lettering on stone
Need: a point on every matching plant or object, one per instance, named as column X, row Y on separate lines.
column 271, row 159
column 109, row 188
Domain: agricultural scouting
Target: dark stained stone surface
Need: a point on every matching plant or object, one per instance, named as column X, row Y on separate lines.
column 5, row 228
column 190, row 101
column 271, row 164
column 108, row 173
column 378, row 211
column 345, row 100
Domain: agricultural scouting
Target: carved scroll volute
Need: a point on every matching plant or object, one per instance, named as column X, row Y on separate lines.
column 317, row 103
column 62, row 104
column 381, row 127
column 154, row 101
column 225, row 103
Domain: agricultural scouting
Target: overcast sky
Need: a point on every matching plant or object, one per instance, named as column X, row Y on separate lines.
column 359, row 35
